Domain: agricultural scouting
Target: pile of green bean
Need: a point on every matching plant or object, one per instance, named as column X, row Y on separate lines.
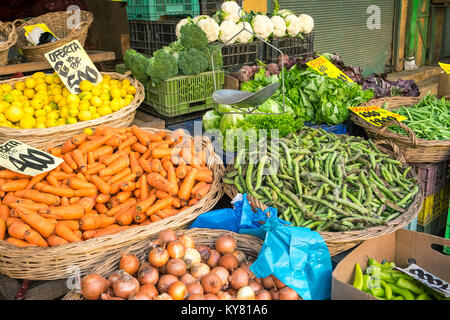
column 326, row 182
column 429, row 119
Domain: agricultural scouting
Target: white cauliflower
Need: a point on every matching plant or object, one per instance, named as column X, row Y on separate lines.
column 181, row 23
column 279, row 26
column 284, row 13
column 198, row 18
column 229, row 11
column 245, row 36
column 262, row 26
column 306, row 23
column 210, row 27
column 292, row 25
column 227, row 31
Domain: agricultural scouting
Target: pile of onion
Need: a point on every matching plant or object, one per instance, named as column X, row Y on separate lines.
column 177, row 268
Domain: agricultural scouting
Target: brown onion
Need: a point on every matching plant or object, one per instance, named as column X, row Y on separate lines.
column 255, row 285
column 178, row 290
column 167, row 236
column 187, row 241
column 213, row 259
column 93, row 285
column 126, row 286
column 129, row 263
column 165, row 281
column 238, row 279
column 225, row 244
column 278, row 283
column 175, row 249
column 163, row 296
column 175, row 266
column 196, row 297
column 228, row 261
column 211, row 283
column 188, row 278
column 287, row 294
column 139, row 296
column 114, row 276
column 211, row 296
column 198, row 270
column 263, row 295
column 204, row 252
column 108, row 296
column 268, row 282
column 240, row 256
column 195, row 288
column 222, row 273
column 223, row 295
column 191, row 257
column 274, row 293
column 148, row 275
column 246, row 265
column 149, row 290
column 245, row 293
column 158, row 257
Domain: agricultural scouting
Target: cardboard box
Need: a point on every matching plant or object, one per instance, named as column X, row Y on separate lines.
column 444, row 84
column 397, row 247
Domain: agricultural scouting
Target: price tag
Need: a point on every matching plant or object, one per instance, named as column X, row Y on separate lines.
column 445, row 67
column 376, row 115
column 73, row 65
column 21, row 158
column 427, row 279
column 325, row 67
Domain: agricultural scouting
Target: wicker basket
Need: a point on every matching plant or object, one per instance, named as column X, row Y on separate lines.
column 248, row 244
column 50, row 263
column 338, row 242
column 415, row 150
column 44, row 138
column 9, row 37
column 57, row 23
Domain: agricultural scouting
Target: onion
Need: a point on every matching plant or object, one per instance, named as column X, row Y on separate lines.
column 228, row 261
column 211, row 296
column 245, row 293
column 167, row 236
column 165, row 281
column 287, row 294
column 188, row 278
column 225, row 244
column 274, row 293
column 222, row 273
column 246, row 265
column 241, row 257
column 176, row 249
column 198, row 270
column 195, row 288
column 187, row 241
column 163, row 296
column 263, row 295
column 148, row 275
column 278, row 283
column 93, row 285
column 211, row 283
column 149, row 290
column 126, row 286
column 239, row 278
column 196, row 297
column 158, row 257
column 114, row 276
column 129, row 263
column 108, row 296
column 204, row 252
column 178, row 290
column 255, row 285
column 213, row 259
column 162, row 270
column 191, row 257
column 175, row 266
column 268, row 282
column 223, row 295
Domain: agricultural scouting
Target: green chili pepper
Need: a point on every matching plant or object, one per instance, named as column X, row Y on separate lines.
column 403, row 292
column 405, row 284
column 358, row 279
column 387, row 290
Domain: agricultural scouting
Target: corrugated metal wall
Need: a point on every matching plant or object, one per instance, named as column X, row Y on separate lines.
column 341, row 27
column 446, row 35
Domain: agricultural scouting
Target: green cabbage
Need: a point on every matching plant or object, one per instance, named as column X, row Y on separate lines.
column 211, row 120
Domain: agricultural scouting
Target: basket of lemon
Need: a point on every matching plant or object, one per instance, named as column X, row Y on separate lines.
column 39, row 110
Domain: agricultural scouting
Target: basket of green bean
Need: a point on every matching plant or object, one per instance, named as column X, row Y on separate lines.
column 341, row 186
column 424, row 137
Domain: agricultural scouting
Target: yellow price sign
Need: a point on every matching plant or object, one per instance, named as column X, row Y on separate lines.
column 325, row 67
column 376, row 115
column 445, row 67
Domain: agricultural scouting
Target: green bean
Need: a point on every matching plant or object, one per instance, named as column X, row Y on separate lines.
column 297, row 177
column 408, row 196
column 260, row 170
column 237, row 184
column 239, row 158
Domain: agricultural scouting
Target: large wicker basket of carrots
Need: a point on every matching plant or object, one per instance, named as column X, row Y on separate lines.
column 337, row 235
column 114, row 189
column 50, row 136
column 414, row 149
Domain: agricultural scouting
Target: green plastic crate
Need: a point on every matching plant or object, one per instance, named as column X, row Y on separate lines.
column 183, row 108
column 149, row 10
column 120, row 68
column 182, row 90
column 169, row 120
column 447, row 230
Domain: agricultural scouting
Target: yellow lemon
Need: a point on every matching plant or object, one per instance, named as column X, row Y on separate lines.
column 106, row 78
column 105, row 97
column 54, row 114
column 49, row 79
column 26, row 103
column 84, row 105
column 2, row 118
column 4, row 105
column 51, row 123
column 41, row 119
column 123, row 92
column 47, row 108
column 129, row 97
column 72, row 98
column 29, row 93
column 53, row 105
column 115, row 93
column 16, row 92
column 71, row 120
column 73, row 105
column 22, row 98
column 73, row 112
column 131, row 90
column 64, row 112
column 115, row 104
column 14, row 113
column 37, row 103
column 30, row 83
column 96, row 101
column 88, row 131
column 61, row 121
column 8, row 97
column 104, row 110
column 126, row 83
column 86, row 86
column 97, row 91
column 38, row 75
column 85, row 96
column 62, row 103
column 85, row 115
column 57, row 98
column 123, row 103
column 92, row 109
column 27, row 122
column 7, row 124
column 41, row 87
column 65, row 92
column 40, row 113
column 56, row 90
column 28, row 111
column 114, row 82
column 17, row 104
column 40, row 125
column 19, row 85
column 6, row 87
column 95, row 116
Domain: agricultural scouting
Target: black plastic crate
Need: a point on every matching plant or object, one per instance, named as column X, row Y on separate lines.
column 211, row 7
column 172, row 120
column 292, row 46
column 238, row 54
column 150, row 36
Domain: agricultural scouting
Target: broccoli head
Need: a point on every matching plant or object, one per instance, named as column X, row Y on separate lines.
column 218, row 59
column 192, row 61
column 137, row 63
column 192, row 36
column 162, row 66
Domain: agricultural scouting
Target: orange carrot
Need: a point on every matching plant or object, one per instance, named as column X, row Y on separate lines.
column 143, row 205
column 55, row 240
column 90, row 222
column 64, row 232
column 14, row 185
column 112, row 202
column 171, row 176
column 125, row 217
column 70, row 161
column 128, row 186
column 125, row 205
column 139, row 147
column 159, row 205
column 154, row 137
column 143, row 188
column 161, row 194
column 105, row 220
column 128, row 142
column 71, row 224
column 140, row 217
column 64, row 201
column 165, row 213
column 123, row 196
column 89, row 192
column 162, row 134
column 116, row 166
column 29, row 206
column 19, row 243
column 102, row 151
column 134, row 164
column 9, row 174
column 119, row 176
column 105, row 231
column 38, row 223
column 40, row 197
column 192, row 202
column 181, row 170
column 79, row 138
column 101, row 208
column 90, row 158
column 35, row 180
column 95, row 169
column 187, row 185
column 77, row 183
column 74, row 211
column 87, row 203
column 163, row 173
column 204, row 174
column 55, row 151
column 115, row 187
column 102, row 198
column 197, row 186
column 159, row 182
column 2, row 229
column 155, row 217
column 91, row 145
column 34, row 237
column 4, row 212
column 17, row 229
column 160, row 152
column 114, row 141
column 66, row 168
column 74, row 200
column 68, row 146
column 141, row 135
column 102, row 186
column 145, row 165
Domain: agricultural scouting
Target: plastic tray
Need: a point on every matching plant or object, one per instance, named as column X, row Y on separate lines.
column 175, row 119
column 238, row 54
column 292, row 46
column 154, row 9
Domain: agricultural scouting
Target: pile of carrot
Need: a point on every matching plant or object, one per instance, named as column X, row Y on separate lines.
column 114, row 179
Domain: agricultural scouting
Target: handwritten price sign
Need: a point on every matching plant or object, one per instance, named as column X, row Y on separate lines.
column 73, row 65
column 427, row 279
column 325, row 67
column 21, row 158
column 376, row 115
